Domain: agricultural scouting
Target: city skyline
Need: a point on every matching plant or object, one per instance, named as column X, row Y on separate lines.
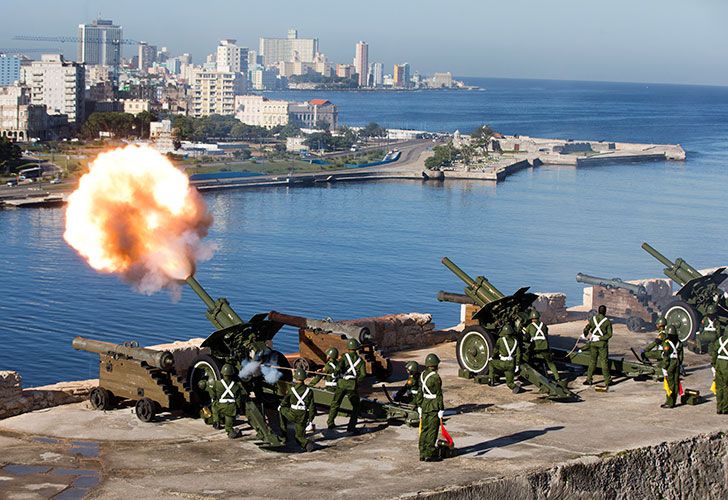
column 562, row 40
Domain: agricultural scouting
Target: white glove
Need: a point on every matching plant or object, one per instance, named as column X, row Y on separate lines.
column 440, row 414
column 712, row 370
column 517, row 368
column 664, row 372
column 311, row 427
column 419, row 411
column 279, row 408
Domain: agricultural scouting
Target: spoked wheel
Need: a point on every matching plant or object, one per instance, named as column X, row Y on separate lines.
column 146, row 410
column 474, row 349
column 684, row 317
column 303, row 363
column 203, row 368
column 100, row 399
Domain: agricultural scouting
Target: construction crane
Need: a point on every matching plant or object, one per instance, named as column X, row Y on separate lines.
column 68, row 39
column 28, row 51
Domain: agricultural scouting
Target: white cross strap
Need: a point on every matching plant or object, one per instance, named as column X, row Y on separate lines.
column 597, row 332
column 509, row 349
column 300, row 403
column 228, row 392
column 723, row 349
column 426, row 392
column 673, row 354
column 351, row 371
column 710, row 327
column 539, row 335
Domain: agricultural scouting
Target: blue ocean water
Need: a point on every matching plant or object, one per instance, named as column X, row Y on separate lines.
column 351, row 250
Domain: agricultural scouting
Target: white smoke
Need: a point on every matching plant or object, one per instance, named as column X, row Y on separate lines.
column 249, row 369
column 270, row 374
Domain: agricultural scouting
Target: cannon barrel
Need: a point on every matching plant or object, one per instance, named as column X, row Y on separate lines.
column 611, row 283
column 157, row 359
column 679, row 271
column 457, row 298
column 219, row 312
column 480, row 289
column 360, row 333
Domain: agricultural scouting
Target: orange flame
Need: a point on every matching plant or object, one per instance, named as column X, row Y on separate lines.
column 135, row 214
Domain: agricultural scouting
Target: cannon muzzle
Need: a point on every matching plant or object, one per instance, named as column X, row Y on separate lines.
column 457, row 298
column 679, row 271
column 479, row 289
column 219, row 312
column 638, row 290
column 157, row 359
column 360, row 333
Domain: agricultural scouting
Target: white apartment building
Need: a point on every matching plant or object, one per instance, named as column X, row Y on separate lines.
column 213, row 92
column 376, row 74
column 99, row 43
column 261, row 111
column 19, row 119
column 361, row 63
column 440, row 80
column 263, row 79
column 147, row 55
column 292, row 48
column 231, row 58
column 57, row 84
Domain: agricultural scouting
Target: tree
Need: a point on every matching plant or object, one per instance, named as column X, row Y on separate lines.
column 482, row 135
column 9, row 152
column 142, row 121
column 442, row 156
column 373, row 129
column 115, row 123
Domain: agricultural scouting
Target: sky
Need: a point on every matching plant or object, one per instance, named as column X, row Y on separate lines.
column 656, row 41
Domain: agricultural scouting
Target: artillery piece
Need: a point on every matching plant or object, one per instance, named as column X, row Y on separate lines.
column 629, row 301
column 697, row 293
column 477, row 343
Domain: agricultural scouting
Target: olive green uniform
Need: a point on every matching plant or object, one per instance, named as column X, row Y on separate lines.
column 227, row 399
column 672, row 359
column 719, row 360
column 352, row 370
column 653, row 350
column 709, row 328
column 508, row 352
column 331, row 369
column 598, row 330
column 408, row 392
column 297, row 406
column 537, row 336
column 429, row 400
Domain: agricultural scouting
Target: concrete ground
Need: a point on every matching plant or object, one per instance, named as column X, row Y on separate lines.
column 78, row 451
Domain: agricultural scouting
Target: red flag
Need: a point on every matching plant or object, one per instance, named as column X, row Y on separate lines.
column 680, row 387
column 446, row 435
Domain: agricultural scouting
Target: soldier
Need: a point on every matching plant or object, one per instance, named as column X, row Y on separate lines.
column 352, row 371
column 227, row 397
column 537, row 335
column 653, row 350
column 598, row 331
column 672, row 359
column 409, row 390
column 298, row 407
column 708, row 329
column 431, row 409
column 509, row 352
column 719, row 361
column 330, row 369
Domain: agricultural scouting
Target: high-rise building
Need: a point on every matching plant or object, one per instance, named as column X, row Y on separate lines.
column 361, row 63
column 292, row 48
column 147, row 56
column 376, row 74
column 9, row 69
column 230, row 57
column 99, row 43
column 344, row 70
column 401, row 75
column 263, row 79
column 58, row 84
column 213, row 92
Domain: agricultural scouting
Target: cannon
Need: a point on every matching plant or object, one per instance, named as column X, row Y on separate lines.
column 626, row 301
column 130, row 372
column 475, row 346
column 316, row 336
column 697, row 292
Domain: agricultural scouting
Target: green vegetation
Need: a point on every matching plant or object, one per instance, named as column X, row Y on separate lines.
column 328, row 82
column 10, row 155
column 373, row 130
column 187, row 128
column 442, row 157
column 325, row 141
column 119, row 125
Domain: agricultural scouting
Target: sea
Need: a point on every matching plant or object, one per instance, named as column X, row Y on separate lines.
column 366, row 249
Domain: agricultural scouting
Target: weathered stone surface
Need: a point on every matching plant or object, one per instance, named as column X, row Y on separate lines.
column 184, row 352
column 552, row 307
column 395, row 332
column 37, row 398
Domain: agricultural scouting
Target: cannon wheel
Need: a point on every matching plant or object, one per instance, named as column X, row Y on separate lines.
column 634, row 324
column 100, row 399
column 203, row 368
column 684, row 317
column 146, row 409
column 304, row 363
column 474, row 349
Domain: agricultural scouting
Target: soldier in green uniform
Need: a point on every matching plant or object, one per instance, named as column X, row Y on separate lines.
column 297, row 406
column 598, row 331
column 407, row 393
column 708, row 331
column 508, row 352
column 653, row 350
column 331, row 369
column 672, row 359
column 719, row 361
column 227, row 396
column 352, row 371
column 431, row 409
column 536, row 332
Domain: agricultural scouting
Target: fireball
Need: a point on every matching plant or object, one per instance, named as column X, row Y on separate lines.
column 134, row 214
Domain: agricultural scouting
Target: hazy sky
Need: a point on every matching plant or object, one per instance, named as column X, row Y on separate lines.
column 673, row 41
